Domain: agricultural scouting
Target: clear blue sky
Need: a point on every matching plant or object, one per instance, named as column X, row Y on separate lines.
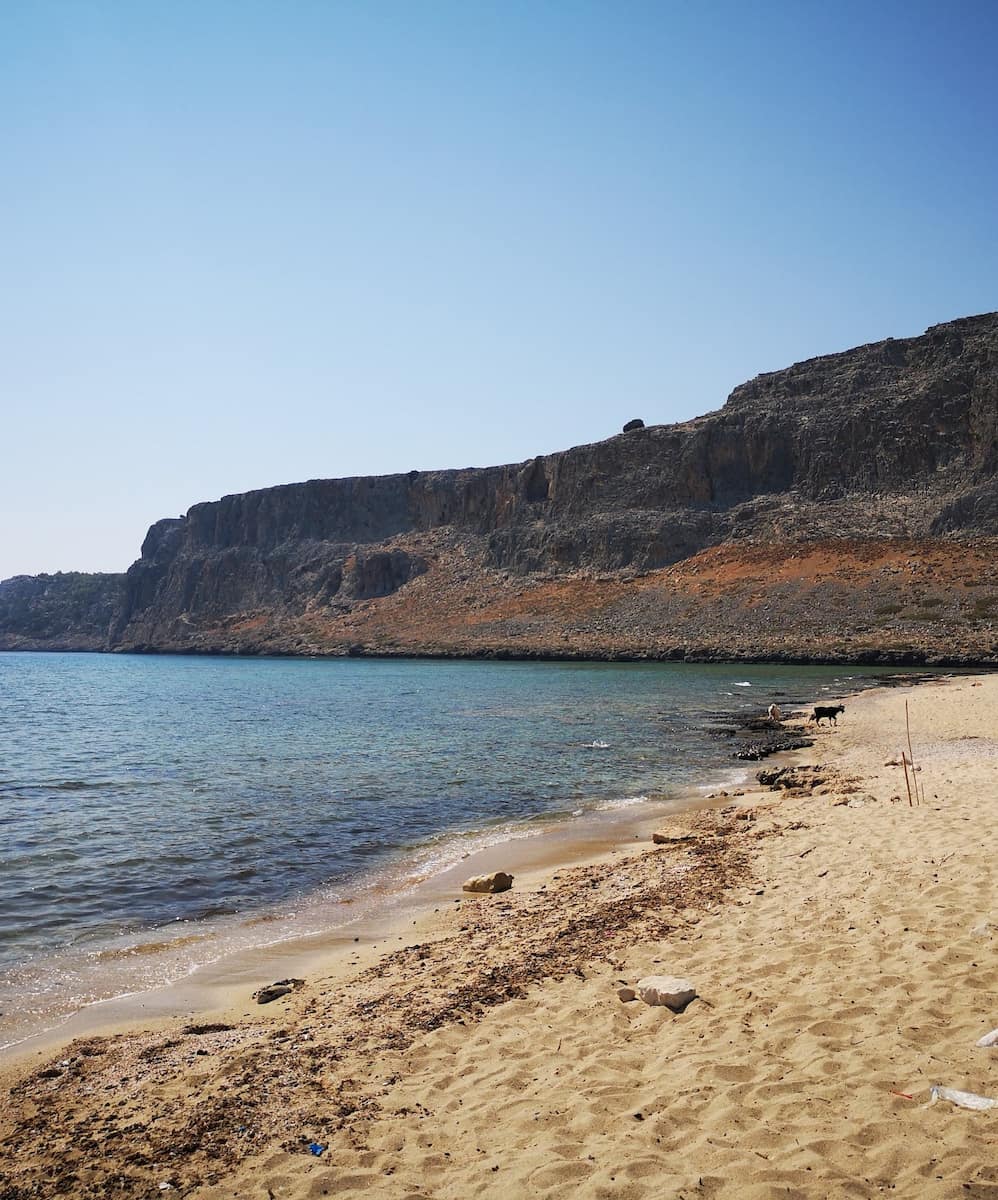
column 246, row 243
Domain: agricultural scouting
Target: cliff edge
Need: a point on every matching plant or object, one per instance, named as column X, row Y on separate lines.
column 858, row 462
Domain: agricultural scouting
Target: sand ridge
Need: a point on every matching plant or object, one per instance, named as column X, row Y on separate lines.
column 843, row 944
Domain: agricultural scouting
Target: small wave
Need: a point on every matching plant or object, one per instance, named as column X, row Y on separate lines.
column 746, row 684
column 267, row 918
column 446, row 850
column 120, row 952
column 716, row 781
column 212, row 910
column 623, row 802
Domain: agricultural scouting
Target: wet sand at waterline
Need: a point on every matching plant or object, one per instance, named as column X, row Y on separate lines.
column 842, row 942
column 382, row 913
column 164, row 815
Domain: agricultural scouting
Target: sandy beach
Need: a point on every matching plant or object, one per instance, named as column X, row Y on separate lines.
column 841, row 940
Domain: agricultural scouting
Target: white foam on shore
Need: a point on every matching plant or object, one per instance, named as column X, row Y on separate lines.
column 725, row 781
column 623, row 802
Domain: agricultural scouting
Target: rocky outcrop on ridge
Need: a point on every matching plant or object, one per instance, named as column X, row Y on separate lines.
column 891, row 443
column 71, row 610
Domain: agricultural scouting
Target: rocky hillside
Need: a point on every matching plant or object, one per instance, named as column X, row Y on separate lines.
column 886, row 454
column 70, row 610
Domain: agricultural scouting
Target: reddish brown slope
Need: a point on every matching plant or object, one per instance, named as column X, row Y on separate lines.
column 883, row 600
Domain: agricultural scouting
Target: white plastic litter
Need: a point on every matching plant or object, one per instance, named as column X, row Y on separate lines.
column 962, row 1099
column 989, row 1039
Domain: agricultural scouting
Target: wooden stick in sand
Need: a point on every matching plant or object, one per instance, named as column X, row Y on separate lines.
column 911, row 756
column 904, row 763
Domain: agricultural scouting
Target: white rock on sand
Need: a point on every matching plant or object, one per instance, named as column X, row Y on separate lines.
column 668, row 990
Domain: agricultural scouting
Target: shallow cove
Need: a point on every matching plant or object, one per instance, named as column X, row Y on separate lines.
column 188, row 818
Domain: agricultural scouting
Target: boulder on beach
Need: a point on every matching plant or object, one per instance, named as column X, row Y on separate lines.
column 668, row 990
column 498, row 881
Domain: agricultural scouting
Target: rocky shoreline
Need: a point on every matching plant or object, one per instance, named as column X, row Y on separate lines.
column 757, row 737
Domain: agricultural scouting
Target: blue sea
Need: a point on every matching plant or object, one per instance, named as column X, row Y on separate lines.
column 154, row 803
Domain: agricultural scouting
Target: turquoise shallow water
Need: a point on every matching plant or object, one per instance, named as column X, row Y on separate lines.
column 137, row 793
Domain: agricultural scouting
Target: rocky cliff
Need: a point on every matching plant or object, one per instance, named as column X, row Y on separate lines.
column 891, row 443
column 70, row 610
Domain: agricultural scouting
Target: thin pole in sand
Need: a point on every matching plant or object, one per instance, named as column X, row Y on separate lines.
column 911, row 756
column 904, row 763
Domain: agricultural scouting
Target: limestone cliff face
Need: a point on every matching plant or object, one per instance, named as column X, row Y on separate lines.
column 894, row 439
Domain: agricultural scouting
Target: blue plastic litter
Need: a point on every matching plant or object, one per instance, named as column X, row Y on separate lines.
column 316, row 1148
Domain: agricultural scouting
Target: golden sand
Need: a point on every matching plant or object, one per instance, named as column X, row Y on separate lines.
column 843, row 944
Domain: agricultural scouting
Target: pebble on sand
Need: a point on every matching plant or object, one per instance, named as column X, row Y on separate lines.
column 498, row 881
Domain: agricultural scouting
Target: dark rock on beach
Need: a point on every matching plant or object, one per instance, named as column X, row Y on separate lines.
column 763, row 749
column 788, row 778
column 274, row 991
column 755, row 737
